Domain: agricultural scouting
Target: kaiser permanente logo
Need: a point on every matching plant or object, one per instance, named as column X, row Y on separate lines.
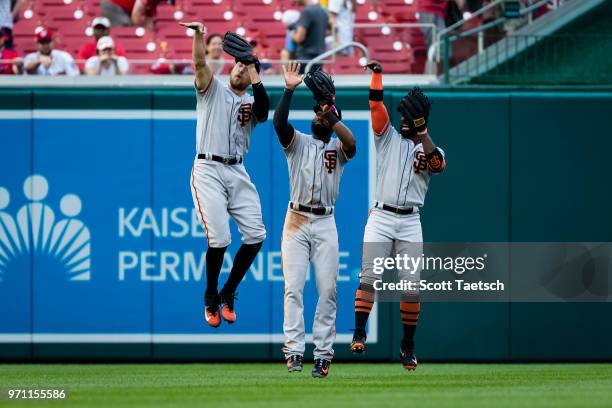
column 55, row 238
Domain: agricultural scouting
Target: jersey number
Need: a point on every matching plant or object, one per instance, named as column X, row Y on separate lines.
column 244, row 113
column 420, row 162
column 331, row 160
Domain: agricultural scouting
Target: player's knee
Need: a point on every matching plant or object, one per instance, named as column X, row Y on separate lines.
column 257, row 238
column 219, row 242
column 367, row 280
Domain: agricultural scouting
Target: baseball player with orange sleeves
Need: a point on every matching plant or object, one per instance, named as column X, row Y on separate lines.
column 315, row 164
column 406, row 161
column 220, row 184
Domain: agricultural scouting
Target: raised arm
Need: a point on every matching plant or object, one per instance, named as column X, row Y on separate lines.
column 345, row 135
column 203, row 73
column 378, row 111
column 281, row 125
column 261, row 106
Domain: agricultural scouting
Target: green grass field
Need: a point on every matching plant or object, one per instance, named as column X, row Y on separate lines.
column 348, row 385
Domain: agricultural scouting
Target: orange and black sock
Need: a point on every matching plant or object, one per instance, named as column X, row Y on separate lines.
column 364, row 300
column 409, row 312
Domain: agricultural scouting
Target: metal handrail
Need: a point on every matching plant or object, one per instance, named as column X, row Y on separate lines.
column 336, row 50
column 435, row 47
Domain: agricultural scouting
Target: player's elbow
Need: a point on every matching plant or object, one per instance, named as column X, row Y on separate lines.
column 436, row 162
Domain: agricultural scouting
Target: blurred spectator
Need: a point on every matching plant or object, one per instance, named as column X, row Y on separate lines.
column 9, row 13
column 107, row 62
column 101, row 28
column 163, row 65
column 289, row 19
column 13, row 64
column 342, row 20
column 214, row 53
column 130, row 12
column 310, row 32
column 48, row 61
column 434, row 12
column 264, row 62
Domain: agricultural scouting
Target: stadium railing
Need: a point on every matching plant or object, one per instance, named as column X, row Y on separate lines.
column 522, row 14
column 538, row 59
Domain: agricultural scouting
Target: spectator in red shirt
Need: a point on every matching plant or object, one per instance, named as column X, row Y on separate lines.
column 101, row 28
column 14, row 64
column 434, row 12
column 130, row 12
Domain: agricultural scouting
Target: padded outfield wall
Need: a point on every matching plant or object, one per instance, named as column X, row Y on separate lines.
column 115, row 268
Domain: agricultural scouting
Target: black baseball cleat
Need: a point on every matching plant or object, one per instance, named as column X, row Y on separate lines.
column 321, row 368
column 407, row 357
column 358, row 345
column 294, row 363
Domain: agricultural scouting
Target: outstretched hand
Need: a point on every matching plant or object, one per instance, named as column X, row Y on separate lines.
column 375, row 66
column 196, row 26
column 292, row 76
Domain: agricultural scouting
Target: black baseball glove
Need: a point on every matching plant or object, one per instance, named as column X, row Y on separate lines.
column 322, row 87
column 239, row 48
column 415, row 108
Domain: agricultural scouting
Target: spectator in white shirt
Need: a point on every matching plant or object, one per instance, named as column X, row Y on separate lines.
column 48, row 61
column 107, row 62
column 342, row 19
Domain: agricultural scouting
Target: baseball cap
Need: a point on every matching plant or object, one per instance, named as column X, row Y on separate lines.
column 101, row 21
column 105, row 42
column 44, row 35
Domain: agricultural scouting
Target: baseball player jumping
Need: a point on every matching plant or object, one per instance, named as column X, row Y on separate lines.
column 309, row 235
column 406, row 160
column 220, row 185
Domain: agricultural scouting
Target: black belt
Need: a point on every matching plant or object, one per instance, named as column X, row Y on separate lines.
column 395, row 210
column 220, row 159
column 313, row 210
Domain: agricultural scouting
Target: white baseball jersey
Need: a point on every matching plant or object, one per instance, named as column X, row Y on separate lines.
column 225, row 121
column 402, row 172
column 62, row 63
column 315, row 169
column 220, row 191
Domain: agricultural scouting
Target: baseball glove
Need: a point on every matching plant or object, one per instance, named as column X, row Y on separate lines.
column 239, row 48
column 415, row 108
column 322, row 87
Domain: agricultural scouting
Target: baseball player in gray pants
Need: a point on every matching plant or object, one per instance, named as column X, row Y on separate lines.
column 309, row 235
column 220, row 185
column 406, row 161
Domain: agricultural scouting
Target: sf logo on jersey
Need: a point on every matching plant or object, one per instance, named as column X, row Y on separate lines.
column 420, row 162
column 331, row 160
column 245, row 113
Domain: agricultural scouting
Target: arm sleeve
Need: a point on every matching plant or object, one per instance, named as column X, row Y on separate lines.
column 282, row 127
column 380, row 116
column 261, row 106
column 436, row 161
